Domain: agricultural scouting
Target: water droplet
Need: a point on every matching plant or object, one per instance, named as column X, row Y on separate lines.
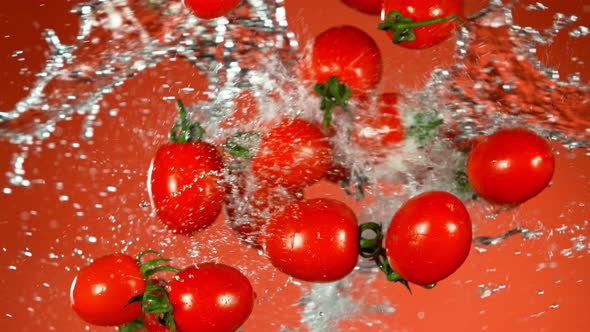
column 566, row 252
column 537, row 6
column 580, row 31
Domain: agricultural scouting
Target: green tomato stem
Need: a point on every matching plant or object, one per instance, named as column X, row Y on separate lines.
column 183, row 130
column 242, row 144
column 154, row 300
column 402, row 28
column 372, row 248
column 333, row 92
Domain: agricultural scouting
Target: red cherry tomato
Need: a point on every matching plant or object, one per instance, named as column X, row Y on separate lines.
column 314, row 240
column 423, row 10
column 348, row 53
column 100, row 292
column 251, row 203
column 294, row 154
column 186, row 185
column 510, row 166
column 208, row 9
column 210, row 297
column 372, row 7
column 375, row 132
column 429, row 237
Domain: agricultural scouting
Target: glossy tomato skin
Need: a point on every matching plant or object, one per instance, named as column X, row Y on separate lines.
column 210, row 297
column 372, row 7
column 429, row 237
column 313, row 240
column 294, row 154
column 348, row 53
column 187, row 186
column 379, row 130
column 423, row 10
column 510, row 166
column 101, row 290
column 208, row 9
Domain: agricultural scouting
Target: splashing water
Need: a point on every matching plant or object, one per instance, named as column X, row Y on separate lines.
column 497, row 80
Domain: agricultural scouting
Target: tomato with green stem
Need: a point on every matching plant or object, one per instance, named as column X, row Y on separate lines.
column 371, row 7
column 345, row 61
column 421, row 24
column 294, row 154
column 186, row 182
column 210, row 297
column 208, row 9
column 313, row 240
column 100, row 292
column 510, row 166
column 429, row 238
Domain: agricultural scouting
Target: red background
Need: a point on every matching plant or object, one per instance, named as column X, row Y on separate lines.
column 545, row 290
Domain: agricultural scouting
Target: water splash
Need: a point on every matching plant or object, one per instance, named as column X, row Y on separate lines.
column 130, row 36
column 499, row 81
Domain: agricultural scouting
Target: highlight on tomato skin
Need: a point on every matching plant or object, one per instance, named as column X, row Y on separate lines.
column 510, row 166
column 349, row 54
column 186, row 185
column 313, row 240
column 423, row 10
column 209, row 9
column 101, row 290
column 210, row 297
column 429, row 237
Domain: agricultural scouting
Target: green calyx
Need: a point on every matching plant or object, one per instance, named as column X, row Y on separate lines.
column 183, row 129
column 333, row 92
column 424, row 128
column 242, row 144
column 154, row 299
column 402, row 28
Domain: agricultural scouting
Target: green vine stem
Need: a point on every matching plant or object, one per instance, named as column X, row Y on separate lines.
column 333, row 92
column 372, row 248
column 183, row 129
column 424, row 128
column 242, row 144
column 402, row 28
column 154, row 299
